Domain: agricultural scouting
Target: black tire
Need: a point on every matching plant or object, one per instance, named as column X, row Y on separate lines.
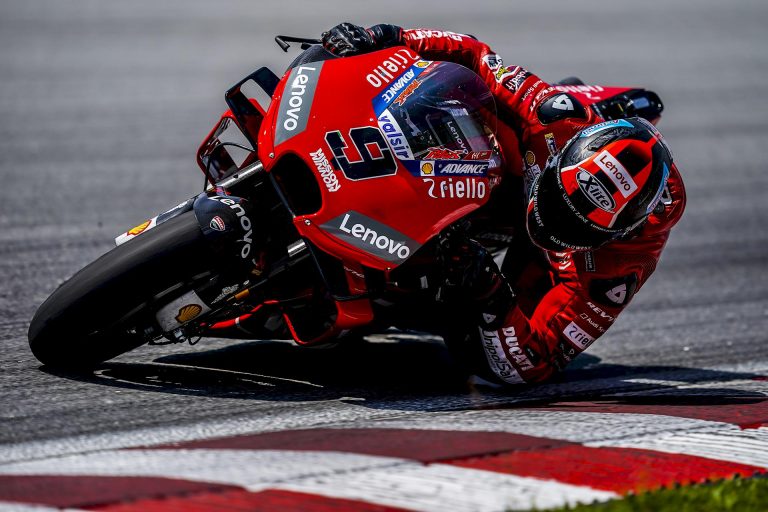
column 84, row 321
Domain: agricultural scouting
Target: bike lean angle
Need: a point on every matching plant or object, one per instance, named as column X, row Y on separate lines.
column 322, row 214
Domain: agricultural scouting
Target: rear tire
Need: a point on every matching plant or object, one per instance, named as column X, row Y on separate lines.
column 86, row 320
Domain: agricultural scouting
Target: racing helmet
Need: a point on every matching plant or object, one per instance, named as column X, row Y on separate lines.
column 604, row 183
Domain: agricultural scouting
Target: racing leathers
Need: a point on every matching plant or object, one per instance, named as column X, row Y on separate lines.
column 564, row 300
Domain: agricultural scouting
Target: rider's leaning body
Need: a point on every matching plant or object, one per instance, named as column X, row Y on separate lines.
column 552, row 304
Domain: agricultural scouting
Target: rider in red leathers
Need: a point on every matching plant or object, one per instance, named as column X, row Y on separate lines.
column 602, row 198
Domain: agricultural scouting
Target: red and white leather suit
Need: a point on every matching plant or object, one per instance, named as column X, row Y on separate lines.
column 565, row 300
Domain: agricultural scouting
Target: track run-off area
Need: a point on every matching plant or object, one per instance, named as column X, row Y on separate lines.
column 102, row 106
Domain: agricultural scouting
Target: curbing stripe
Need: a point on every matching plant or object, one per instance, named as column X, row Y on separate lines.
column 611, row 469
column 85, row 490
column 413, row 444
column 265, row 501
column 746, row 412
column 727, row 444
column 382, row 480
column 445, row 488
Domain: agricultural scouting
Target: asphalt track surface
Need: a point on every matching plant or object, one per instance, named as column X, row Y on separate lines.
column 102, row 106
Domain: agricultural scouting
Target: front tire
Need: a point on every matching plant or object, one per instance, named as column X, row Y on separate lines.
column 91, row 317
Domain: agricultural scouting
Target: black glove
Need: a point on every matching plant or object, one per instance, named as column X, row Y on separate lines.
column 472, row 279
column 348, row 39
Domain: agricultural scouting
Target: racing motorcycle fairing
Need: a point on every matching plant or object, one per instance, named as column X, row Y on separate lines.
column 397, row 153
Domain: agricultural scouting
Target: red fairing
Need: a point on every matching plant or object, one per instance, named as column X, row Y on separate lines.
column 378, row 203
column 325, row 113
column 569, row 299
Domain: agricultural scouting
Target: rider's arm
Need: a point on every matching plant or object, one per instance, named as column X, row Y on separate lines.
column 589, row 290
column 519, row 93
column 516, row 89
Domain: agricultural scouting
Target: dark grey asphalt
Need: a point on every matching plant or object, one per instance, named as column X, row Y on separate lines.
column 102, row 105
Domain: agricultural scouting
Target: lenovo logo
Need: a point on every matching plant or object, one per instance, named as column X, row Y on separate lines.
column 371, row 236
column 616, row 172
column 297, row 101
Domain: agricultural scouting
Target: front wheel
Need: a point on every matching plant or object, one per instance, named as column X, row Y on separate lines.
column 97, row 314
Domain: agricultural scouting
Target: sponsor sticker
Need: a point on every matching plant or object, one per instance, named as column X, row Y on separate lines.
column 217, row 224
column 530, row 90
column 562, row 102
column 497, row 358
column 181, row 310
column 397, row 141
column 441, row 153
column 514, row 83
column 513, row 347
column 503, row 73
column 589, row 261
column 136, row 231
column 530, row 158
column 415, row 35
column 595, row 191
column 551, row 143
column 590, row 91
column 578, row 336
column 404, row 84
column 479, row 155
column 245, row 223
column 371, row 236
column 326, row 171
column 139, row 229
column 618, row 174
column 458, row 188
column 599, row 311
column 225, row 292
column 188, row 312
column 493, row 61
column 392, row 66
column 605, row 126
column 296, row 101
column 613, row 292
column 590, row 321
column 407, row 92
column 447, row 168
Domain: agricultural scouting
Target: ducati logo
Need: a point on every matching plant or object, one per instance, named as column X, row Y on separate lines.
column 563, row 102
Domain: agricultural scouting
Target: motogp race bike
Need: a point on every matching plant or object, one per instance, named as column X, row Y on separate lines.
column 328, row 194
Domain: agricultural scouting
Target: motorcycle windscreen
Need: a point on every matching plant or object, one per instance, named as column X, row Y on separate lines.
column 450, row 115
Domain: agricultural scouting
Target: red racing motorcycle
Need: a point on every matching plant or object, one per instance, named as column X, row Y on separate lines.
column 328, row 193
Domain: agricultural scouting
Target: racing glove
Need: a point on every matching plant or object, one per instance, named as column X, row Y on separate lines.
column 347, row 39
column 472, row 278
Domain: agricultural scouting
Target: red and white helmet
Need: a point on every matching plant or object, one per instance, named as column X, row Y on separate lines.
column 603, row 184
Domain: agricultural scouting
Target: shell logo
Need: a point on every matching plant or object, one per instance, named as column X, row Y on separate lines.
column 139, row 229
column 422, row 64
column 427, row 168
column 530, row 158
column 188, row 312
